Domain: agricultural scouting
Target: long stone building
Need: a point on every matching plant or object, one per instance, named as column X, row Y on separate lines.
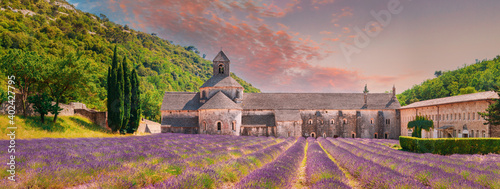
column 221, row 107
column 453, row 117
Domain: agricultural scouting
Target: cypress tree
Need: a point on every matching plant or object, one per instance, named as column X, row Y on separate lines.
column 135, row 108
column 120, row 98
column 126, row 94
column 115, row 93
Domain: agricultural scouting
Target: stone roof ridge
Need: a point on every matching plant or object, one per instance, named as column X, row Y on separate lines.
column 221, row 57
column 453, row 99
column 220, row 101
column 179, row 92
column 221, row 81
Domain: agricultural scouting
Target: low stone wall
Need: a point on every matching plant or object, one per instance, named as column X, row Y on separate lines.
column 99, row 118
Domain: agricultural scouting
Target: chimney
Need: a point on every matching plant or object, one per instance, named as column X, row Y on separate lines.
column 366, row 94
column 394, row 92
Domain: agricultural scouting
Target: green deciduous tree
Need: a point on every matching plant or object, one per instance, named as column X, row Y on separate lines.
column 418, row 124
column 65, row 76
column 42, row 104
column 25, row 66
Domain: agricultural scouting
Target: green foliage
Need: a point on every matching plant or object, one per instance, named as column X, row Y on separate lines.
column 478, row 77
column 42, row 104
column 135, row 106
column 418, row 124
column 126, row 93
column 492, row 114
column 25, row 66
column 447, row 146
column 56, row 31
column 115, row 95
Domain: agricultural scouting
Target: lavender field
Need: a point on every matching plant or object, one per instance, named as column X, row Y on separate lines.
column 209, row 161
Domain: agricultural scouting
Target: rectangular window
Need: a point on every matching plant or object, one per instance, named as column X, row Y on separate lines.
column 388, row 121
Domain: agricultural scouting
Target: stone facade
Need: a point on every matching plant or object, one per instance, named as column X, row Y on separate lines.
column 453, row 117
column 221, row 107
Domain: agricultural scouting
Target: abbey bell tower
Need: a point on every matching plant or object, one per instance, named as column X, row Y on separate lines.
column 221, row 64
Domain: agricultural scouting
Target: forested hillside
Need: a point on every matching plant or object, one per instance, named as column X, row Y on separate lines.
column 55, row 29
column 481, row 76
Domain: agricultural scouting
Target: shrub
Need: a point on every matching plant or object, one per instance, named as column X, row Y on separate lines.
column 446, row 146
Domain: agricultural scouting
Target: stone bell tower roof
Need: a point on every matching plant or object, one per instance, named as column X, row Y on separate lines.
column 221, row 57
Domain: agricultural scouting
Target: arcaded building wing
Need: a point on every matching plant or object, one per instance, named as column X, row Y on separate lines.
column 221, row 107
column 453, row 117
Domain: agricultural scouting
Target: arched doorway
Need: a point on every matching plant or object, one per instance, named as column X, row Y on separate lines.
column 449, row 136
column 313, row 135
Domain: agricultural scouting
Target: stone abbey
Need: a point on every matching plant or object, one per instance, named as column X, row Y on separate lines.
column 221, row 107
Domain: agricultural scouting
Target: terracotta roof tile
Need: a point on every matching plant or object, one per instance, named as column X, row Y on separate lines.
column 454, row 99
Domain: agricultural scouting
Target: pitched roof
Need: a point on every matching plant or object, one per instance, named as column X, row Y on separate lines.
column 287, row 115
column 221, row 81
column 181, row 101
column 313, row 101
column 220, row 101
column 221, row 57
column 454, row 99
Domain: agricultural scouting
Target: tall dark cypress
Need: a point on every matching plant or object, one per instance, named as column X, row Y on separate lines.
column 119, row 97
column 115, row 99
column 135, row 108
column 126, row 93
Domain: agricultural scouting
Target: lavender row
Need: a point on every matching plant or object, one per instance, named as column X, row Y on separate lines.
column 440, row 173
column 369, row 174
column 279, row 172
column 427, row 175
column 216, row 175
column 321, row 171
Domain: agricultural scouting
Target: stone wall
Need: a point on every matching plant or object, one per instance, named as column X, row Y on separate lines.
column 99, row 118
column 229, row 121
column 289, row 128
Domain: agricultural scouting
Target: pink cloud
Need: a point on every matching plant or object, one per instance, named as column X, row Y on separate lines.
column 270, row 59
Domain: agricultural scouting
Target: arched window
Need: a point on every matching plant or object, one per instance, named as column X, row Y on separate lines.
column 324, row 135
column 233, row 126
column 353, row 135
column 345, row 121
column 219, row 126
column 310, row 121
column 375, row 136
column 484, row 134
column 204, row 126
column 371, row 121
column 221, row 68
column 473, row 116
column 386, row 135
column 472, row 133
column 332, row 121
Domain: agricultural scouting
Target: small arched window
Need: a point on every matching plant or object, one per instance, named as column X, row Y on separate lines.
column 332, row 121
column 219, row 126
column 221, row 68
column 371, row 121
column 375, row 136
column 345, row 121
column 205, row 126
column 233, row 126
column 310, row 121
column 324, row 135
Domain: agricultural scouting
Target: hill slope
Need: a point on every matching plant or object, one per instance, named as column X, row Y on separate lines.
column 481, row 76
column 54, row 28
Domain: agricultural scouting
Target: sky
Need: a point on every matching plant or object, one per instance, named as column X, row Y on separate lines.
column 322, row 45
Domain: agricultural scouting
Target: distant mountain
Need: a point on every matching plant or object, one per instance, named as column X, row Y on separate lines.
column 481, row 76
column 54, row 28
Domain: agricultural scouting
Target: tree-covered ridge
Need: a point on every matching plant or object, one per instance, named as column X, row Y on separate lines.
column 55, row 28
column 478, row 77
